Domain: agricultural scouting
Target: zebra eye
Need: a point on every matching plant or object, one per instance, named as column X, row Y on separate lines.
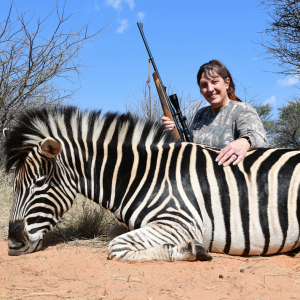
column 40, row 182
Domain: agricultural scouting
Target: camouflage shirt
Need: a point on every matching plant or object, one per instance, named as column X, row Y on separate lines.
column 233, row 121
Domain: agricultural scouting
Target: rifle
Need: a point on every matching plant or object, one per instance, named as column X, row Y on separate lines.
column 170, row 105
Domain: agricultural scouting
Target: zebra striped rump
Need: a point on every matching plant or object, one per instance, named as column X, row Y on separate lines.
column 178, row 203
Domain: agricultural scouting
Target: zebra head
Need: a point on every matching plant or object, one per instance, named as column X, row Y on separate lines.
column 40, row 198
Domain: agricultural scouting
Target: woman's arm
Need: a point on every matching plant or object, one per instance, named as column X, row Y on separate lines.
column 251, row 136
column 249, row 125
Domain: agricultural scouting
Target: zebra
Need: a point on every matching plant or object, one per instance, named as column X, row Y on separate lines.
column 175, row 199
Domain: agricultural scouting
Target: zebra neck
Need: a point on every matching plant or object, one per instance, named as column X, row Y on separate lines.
column 110, row 173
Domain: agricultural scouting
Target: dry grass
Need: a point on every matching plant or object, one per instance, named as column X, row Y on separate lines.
column 6, row 201
column 85, row 223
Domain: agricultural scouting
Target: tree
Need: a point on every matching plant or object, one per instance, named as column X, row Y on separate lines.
column 287, row 127
column 30, row 60
column 283, row 35
column 265, row 113
column 151, row 110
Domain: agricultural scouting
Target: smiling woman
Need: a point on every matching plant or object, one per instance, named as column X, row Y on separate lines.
column 227, row 122
column 216, row 84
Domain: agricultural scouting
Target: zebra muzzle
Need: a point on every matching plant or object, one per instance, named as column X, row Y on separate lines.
column 18, row 240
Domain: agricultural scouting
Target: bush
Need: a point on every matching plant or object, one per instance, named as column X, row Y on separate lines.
column 87, row 220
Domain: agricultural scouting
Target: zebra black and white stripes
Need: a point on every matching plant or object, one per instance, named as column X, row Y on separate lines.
column 176, row 200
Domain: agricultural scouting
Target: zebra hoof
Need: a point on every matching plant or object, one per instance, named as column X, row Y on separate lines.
column 199, row 252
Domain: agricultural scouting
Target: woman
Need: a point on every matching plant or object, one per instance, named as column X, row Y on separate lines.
column 227, row 122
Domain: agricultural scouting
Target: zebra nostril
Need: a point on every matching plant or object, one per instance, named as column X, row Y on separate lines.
column 15, row 245
column 16, row 235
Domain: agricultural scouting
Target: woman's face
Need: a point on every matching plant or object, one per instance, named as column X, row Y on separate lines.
column 214, row 90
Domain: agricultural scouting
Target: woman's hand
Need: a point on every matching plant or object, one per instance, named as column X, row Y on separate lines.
column 234, row 152
column 167, row 123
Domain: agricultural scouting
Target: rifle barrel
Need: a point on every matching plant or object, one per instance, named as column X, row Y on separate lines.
column 179, row 130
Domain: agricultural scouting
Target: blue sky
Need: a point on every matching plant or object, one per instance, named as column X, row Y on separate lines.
column 182, row 36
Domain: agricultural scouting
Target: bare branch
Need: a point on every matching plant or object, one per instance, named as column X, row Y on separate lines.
column 140, row 105
column 31, row 60
column 282, row 41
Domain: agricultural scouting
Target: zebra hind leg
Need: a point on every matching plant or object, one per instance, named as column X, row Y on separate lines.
column 142, row 245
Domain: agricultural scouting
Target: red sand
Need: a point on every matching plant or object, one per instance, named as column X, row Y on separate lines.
column 80, row 272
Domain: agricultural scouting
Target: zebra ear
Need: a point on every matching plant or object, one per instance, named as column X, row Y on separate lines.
column 50, row 147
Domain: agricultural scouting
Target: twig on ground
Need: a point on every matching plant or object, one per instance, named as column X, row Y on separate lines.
column 16, row 288
column 74, row 279
column 45, row 294
column 275, row 268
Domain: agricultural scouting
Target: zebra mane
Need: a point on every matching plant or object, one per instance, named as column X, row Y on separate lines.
column 62, row 122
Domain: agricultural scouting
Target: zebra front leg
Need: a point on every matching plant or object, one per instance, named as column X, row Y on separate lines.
column 160, row 242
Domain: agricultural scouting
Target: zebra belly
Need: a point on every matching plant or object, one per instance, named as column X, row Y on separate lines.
column 257, row 249
column 237, row 248
column 258, row 245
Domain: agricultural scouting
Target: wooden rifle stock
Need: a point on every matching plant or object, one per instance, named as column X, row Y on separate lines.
column 164, row 102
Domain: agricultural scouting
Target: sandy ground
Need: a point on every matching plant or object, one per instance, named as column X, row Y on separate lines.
column 80, row 272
